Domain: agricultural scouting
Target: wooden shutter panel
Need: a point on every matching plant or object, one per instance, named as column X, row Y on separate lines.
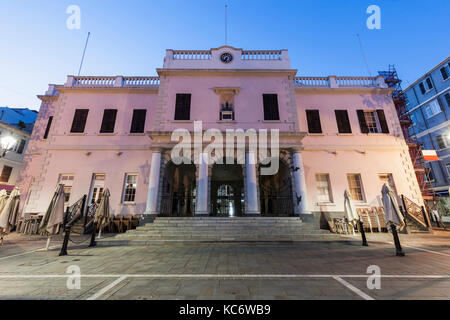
column 49, row 124
column 138, row 121
column 422, row 88
column 383, row 122
column 313, row 119
column 6, row 174
column 79, row 121
column 109, row 121
column 362, row 121
column 271, row 111
column 21, row 146
column 343, row 122
column 183, row 107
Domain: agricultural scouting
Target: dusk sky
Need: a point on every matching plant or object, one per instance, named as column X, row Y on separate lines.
column 130, row 37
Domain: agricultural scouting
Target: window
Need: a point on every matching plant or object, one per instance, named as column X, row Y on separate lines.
column 413, row 119
column 183, row 106
column 67, row 192
column 429, row 174
column 109, row 121
column 343, row 121
column 49, row 124
column 444, row 73
column 387, row 178
column 129, row 193
column 355, row 186
column 138, row 122
column 98, row 186
column 372, row 121
column 20, row 146
column 313, row 119
column 447, row 99
column 429, row 85
column 432, row 109
column 67, row 181
column 6, row 174
column 443, row 141
column 79, row 121
column 271, row 107
column 323, row 188
column 447, row 165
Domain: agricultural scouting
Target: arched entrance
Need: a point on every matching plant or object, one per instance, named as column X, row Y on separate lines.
column 179, row 190
column 227, row 190
column 276, row 192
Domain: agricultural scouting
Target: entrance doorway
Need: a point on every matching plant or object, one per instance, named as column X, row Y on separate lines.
column 276, row 192
column 227, row 190
column 179, row 190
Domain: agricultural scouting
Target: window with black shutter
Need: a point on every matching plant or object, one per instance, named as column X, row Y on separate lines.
column 444, row 73
column 109, row 121
column 429, row 83
column 313, row 119
column 362, row 121
column 271, row 107
column 49, row 124
column 138, row 122
column 79, row 121
column 183, row 106
column 6, row 173
column 21, row 146
column 343, row 122
column 382, row 120
column 422, row 88
column 447, row 98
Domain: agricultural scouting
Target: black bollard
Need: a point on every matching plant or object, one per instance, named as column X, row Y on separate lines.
column 363, row 234
column 398, row 248
column 93, row 243
column 65, row 242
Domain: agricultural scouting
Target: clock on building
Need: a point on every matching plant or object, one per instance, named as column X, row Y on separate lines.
column 226, row 57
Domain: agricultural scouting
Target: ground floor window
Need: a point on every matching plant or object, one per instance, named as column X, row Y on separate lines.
column 130, row 187
column 6, row 174
column 323, row 188
column 67, row 181
column 355, row 186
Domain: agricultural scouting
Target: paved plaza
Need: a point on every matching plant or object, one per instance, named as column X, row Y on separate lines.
column 229, row 270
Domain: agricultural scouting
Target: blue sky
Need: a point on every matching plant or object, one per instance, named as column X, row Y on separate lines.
column 130, row 37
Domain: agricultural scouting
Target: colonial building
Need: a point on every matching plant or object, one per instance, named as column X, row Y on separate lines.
column 335, row 133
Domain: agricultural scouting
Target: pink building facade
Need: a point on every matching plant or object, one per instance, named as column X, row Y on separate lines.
column 335, row 133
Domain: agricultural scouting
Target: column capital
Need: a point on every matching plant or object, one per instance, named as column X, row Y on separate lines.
column 157, row 149
column 297, row 149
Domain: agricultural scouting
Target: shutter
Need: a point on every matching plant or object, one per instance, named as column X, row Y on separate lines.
column 138, row 121
column 447, row 98
column 271, row 111
column 422, row 88
column 444, row 73
column 266, row 101
column 21, row 146
column 6, row 174
column 383, row 122
column 313, row 118
column 183, row 107
column 343, row 121
column 109, row 121
column 430, row 85
column 362, row 121
column 79, row 121
column 49, row 124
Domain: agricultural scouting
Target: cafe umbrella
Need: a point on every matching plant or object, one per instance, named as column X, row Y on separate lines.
column 3, row 199
column 8, row 214
column 102, row 215
column 54, row 216
column 350, row 211
column 393, row 216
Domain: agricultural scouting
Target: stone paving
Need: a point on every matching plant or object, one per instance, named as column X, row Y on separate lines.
column 221, row 270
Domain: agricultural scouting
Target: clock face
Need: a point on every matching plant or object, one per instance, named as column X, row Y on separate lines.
column 226, row 57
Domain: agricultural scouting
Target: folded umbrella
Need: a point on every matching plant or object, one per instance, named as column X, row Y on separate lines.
column 8, row 214
column 54, row 216
column 392, row 213
column 102, row 215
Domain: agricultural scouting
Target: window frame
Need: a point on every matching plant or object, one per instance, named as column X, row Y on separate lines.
column 137, row 124
column 436, row 107
column 83, row 114
column 311, row 115
column 271, row 107
column 318, row 188
column 342, row 115
column 125, row 188
column 183, row 114
column 109, row 124
column 361, row 187
column 9, row 176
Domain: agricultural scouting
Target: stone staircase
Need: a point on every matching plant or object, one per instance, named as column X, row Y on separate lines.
column 215, row 229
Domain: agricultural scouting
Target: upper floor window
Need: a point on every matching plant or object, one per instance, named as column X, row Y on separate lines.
column 313, row 119
column 271, row 107
column 183, row 106
column 372, row 121
column 20, row 146
column 138, row 122
column 79, row 121
column 426, row 85
column 343, row 122
column 447, row 99
column 6, row 174
column 47, row 129
column 432, row 109
column 443, row 141
column 447, row 166
column 109, row 121
column 429, row 174
column 444, row 72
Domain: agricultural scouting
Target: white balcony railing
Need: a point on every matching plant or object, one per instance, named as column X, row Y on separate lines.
column 111, row 82
column 339, row 82
column 261, row 55
column 192, row 55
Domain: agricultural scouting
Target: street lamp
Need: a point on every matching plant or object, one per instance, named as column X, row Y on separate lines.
column 6, row 144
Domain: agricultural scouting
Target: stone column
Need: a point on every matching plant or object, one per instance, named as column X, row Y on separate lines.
column 299, row 184
column 201, row 208
column 153, row 185
column 251, row 194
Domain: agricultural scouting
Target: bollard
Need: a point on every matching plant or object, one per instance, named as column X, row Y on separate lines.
column 398, row 248
column 363, row 234
column 93, row 243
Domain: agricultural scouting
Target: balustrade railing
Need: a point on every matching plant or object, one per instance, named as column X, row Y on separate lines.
column 356, row 82
column 140, row 81
column 261, row 55
column 313, row 82
column 338, row 82
column 94, row 81
column 192, row 55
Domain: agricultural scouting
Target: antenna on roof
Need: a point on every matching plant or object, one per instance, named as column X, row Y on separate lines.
column 226, row 24
column 363, row 54
column 84, row 51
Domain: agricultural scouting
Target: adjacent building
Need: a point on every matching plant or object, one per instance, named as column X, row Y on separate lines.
column 429, row 107
column 335, row 133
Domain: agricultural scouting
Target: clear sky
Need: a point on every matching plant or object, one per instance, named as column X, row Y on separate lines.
column 130, row 37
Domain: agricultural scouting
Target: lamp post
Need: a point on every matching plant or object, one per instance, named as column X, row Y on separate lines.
column 6, row 144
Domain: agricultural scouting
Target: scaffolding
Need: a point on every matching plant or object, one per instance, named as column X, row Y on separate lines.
column 415, row 147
